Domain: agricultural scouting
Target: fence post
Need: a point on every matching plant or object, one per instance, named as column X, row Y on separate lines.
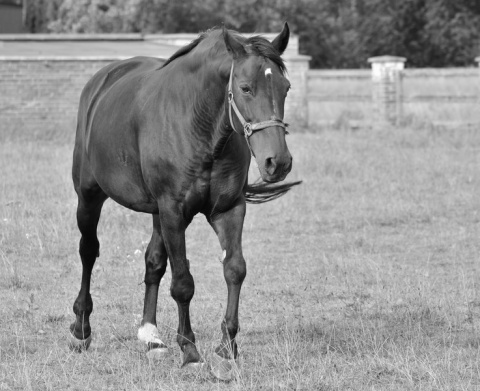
column 387, row 88
column 296, row 109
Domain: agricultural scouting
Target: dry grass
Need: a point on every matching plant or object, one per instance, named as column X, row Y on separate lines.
column 364, row 278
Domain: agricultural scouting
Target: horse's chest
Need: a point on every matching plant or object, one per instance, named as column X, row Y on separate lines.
column 196, row 195
column 226, row 186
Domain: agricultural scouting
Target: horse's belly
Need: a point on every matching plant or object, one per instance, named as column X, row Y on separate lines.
column 119, row 175
column 129, row 194
column 135, row 200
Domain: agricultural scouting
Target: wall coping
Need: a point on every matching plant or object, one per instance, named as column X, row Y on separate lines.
column 172, row 40
column 186, row 38
column 66, row 58
column 103, row 47
column 442, row 72
column 296, row 57
column 360, row 73
column 70, row 37
column 382, row 59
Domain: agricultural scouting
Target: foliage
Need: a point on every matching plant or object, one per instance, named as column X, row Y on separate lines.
column 336, row 33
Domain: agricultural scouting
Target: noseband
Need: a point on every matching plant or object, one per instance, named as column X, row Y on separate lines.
column 248, row 127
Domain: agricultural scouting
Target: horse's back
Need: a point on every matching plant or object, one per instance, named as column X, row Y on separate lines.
column 100, row 94
column 101, row 83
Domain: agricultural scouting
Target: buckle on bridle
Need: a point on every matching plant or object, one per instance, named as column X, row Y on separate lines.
column 247, row 128
column 230, row 96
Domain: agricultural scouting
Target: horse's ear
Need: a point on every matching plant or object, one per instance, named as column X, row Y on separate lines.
column 233, row 45
column 281, row 41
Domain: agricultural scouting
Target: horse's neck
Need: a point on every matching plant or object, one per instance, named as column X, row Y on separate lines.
column 209, row 110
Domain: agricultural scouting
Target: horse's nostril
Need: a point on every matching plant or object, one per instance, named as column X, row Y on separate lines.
column 288, row 167
column 270, row 165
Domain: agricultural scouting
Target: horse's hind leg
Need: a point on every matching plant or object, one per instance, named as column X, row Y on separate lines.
column 89, row 207
column 155, row 266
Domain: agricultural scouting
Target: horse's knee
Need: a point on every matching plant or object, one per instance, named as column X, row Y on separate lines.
column 182, row 288
column 155, row 266
column 235, row 270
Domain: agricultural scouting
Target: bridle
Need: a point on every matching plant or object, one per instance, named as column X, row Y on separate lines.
column 248, row 128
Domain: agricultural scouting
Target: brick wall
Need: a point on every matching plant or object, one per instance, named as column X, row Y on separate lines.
column 447, row 97
column 41, row 96
column 339, row 96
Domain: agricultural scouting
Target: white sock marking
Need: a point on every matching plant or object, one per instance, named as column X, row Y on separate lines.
column 149, row 333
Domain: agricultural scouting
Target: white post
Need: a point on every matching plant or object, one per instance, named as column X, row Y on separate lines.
column 296, row 110
column 387, row 88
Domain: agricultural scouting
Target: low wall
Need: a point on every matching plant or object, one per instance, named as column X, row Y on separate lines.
column 428, row 96
column 42, row 95
column 296, row 105
column 40, row 90
column 449, row 96
column 338, row 96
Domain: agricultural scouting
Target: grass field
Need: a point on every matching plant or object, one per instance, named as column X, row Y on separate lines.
column 366, row 277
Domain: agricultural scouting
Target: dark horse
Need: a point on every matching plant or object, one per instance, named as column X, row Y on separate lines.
column 174, row 140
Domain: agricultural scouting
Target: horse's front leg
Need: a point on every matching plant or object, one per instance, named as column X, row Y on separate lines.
column 173, row 226
column 229, row 226
column 155, row 266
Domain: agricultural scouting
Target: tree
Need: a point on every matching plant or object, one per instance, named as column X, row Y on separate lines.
column 336, row 33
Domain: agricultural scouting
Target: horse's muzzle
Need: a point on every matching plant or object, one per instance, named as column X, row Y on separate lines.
column 276, row 168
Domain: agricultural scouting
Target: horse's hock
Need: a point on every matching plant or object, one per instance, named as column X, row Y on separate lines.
column 41, row 76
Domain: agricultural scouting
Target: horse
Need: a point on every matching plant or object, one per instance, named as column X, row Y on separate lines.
column 174, row 139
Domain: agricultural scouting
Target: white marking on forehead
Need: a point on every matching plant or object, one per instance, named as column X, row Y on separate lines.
column 268, row 71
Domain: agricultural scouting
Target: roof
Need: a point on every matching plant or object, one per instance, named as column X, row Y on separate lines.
column 61, row 47
column 100, row 46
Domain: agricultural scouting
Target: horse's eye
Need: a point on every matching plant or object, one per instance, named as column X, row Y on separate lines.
column 246, row 89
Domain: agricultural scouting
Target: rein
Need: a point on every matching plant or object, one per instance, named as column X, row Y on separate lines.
column 248, row 127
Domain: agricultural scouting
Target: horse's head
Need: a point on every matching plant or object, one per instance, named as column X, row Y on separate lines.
column 257, row 92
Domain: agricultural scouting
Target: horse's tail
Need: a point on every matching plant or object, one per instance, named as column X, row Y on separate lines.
column 260, row 192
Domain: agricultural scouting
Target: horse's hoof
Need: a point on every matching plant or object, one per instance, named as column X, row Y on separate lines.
column 193, row 367
column 222, row 368
column 148, row 336
column 79, row 345
column 156, row 352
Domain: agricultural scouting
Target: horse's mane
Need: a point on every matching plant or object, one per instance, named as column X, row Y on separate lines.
column 185, row 49
column 255, row 45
